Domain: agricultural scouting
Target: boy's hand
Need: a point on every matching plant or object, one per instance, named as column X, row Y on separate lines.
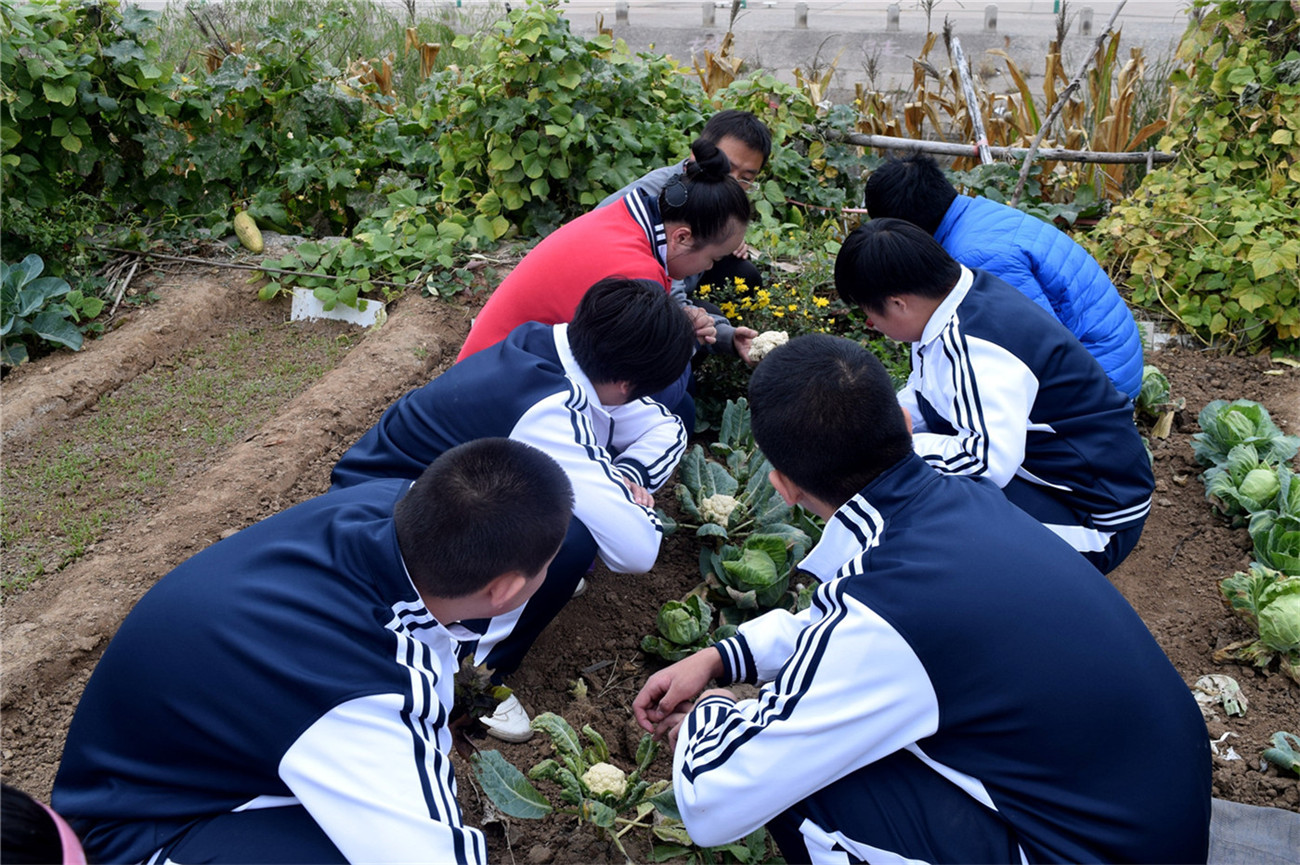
column 742, row 340
column 705, row 330
column 640, row 494
column 665, row 698
column 742, row 251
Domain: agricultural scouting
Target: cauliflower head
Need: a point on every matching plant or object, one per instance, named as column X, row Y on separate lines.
column 765, row 342
column 717, row 508
column 605, row 778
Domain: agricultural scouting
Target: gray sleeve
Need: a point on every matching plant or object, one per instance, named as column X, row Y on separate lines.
column 653, row 183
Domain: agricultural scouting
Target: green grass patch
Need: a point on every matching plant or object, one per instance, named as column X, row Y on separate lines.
column 63, row 492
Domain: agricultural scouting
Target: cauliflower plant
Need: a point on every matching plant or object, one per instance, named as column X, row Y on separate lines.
column 717, row 508
column 765, row 342
column 605, row 778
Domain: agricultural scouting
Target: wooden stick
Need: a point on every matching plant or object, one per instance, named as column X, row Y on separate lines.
column 944, row 148
column 1060, row 104
column 121, row 289
column 972, row 103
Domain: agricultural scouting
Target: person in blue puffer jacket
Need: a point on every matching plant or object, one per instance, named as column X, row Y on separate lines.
column 1037, row 258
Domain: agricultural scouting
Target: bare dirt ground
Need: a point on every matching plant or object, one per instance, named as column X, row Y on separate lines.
column 54, row 631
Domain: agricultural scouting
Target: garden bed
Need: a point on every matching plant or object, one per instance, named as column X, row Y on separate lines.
column 55, row 629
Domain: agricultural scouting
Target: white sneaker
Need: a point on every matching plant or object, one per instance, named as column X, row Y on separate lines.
column 509, row 722
column 581, row 588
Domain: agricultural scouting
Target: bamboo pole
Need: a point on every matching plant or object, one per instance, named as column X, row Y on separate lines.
column 1060, row 104
column 944, row 148
column 972, row 103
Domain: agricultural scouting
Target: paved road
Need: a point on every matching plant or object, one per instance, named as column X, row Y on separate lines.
column 856, row 32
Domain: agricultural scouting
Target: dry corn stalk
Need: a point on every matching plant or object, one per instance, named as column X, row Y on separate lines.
column 818, row 85
column 720, row 69
column 373, row 76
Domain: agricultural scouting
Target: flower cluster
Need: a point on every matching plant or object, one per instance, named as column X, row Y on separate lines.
column 782, row 306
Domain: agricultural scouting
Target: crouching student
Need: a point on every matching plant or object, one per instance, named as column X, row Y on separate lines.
column 1000, row 389
column 581, row 393
column 964, row 687
column 283, row 695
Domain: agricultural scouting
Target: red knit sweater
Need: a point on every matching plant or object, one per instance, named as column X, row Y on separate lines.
column 550, row 280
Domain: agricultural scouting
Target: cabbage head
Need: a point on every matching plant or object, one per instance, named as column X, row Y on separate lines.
column 1279, row 620
column 685, row 622
column 1224, row 425
column 1243, row 484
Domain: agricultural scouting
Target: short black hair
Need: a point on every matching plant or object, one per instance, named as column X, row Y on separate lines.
column 705, row 196
column 488, row 507
column 631, row 330
column 912, row 187
column 825, row 414
column 742, row 126
column 30, row 834
column 884, row 258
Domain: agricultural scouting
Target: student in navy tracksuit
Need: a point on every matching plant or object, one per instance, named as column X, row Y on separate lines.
column 283, row 696
column 1041, row 261
column 1000, row 389
column 964, row 688
column 580, row 392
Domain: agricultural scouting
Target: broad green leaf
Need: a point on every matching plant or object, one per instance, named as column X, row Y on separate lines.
column 600, row 749
column 562, row 734
column 597, row 813
column 507, row 787
column 63, row 94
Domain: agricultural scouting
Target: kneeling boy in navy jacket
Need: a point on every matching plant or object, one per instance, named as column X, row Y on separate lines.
column 1000, row 389
column 964, row 687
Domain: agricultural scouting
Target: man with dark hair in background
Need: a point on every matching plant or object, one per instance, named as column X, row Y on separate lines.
column 580, row 392
column 283, row 696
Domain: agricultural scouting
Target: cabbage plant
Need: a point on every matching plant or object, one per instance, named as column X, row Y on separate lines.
column 1271, row 601
column 1278, row 546
column 753, row 539
column 1154, row 402
column 1224, row 425
column 684, row 629
column 1275, row 531
column 1242, row 484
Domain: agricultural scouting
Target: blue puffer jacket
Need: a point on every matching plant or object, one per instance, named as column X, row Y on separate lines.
column 1053, row 271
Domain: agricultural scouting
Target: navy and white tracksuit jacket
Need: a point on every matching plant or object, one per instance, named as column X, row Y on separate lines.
column 292, row 663
column 530, row 388
column 1000, row 389
column 952, row 625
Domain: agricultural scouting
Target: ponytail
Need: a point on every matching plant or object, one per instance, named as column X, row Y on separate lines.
column 705, row 196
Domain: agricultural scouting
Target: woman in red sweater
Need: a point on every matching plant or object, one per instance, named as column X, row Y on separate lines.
column 699, row 218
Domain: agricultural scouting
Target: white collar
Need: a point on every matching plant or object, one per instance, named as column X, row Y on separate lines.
column 945, row 311
column 571, row 369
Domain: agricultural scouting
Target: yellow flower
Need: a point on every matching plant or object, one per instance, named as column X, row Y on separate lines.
column 792, row 307
column 705, row 289
column 778, row 312
column 821, row 301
